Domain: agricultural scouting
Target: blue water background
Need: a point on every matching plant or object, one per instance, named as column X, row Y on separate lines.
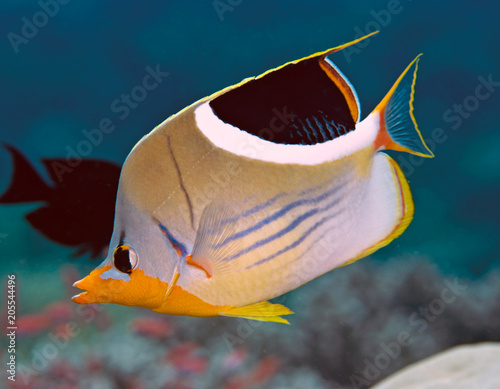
column 64, row 79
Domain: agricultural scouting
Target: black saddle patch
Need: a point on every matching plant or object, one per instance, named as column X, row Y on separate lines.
column 297, row 104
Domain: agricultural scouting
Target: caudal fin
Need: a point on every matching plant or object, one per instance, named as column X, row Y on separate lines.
column 398, row 127
column 26, row 185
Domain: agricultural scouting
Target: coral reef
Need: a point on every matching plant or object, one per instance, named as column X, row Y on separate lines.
column 352, row 328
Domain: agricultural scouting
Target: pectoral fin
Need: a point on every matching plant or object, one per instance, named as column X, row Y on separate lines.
column 264, row 311
column 214, row 247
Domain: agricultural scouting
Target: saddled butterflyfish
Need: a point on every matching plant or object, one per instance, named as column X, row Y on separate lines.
column 256, row 190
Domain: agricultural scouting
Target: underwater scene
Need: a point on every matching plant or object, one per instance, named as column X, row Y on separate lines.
column 328, row 217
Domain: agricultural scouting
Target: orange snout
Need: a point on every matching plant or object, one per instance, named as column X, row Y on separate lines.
column 97, row 290
column 143, row 291
column 140, row 290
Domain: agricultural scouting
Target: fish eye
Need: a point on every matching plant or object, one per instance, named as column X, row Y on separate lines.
column 125, row 258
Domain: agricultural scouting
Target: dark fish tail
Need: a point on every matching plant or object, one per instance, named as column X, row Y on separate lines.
column 26, row 185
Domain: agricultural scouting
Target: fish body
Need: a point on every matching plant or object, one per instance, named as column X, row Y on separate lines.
column 77, row 209
column 255, row 190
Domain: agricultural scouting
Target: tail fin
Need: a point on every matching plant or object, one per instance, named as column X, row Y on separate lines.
column 398, row 128
column 26, row 185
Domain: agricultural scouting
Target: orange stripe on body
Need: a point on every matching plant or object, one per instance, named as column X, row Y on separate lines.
column 189, row 261
column 346, row 90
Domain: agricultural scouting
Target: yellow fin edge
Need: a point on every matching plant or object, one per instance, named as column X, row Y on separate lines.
column 264, row 311
column 384, row 136
column 320, row 54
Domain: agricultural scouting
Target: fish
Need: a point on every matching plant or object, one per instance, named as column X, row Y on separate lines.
column 255, row 190
column 78, row 203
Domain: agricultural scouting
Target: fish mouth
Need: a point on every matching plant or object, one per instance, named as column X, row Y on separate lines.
column 94, row 288
column 140, row 290
column 81, row 298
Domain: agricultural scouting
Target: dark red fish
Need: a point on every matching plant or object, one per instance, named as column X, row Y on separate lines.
column 78, row 205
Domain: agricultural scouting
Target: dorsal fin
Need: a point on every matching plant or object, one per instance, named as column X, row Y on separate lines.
column 339, row 79
column 304, row 102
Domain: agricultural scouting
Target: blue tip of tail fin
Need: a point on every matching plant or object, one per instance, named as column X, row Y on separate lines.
column 399, row 130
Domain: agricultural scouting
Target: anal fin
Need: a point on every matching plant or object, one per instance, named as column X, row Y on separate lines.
column 264, row 311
